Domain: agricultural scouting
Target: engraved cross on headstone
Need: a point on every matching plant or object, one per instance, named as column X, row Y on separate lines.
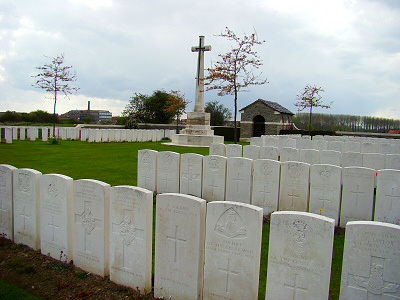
column 228, row 272
column 212, row 186
column 25, row 216
column 357, row 192
column 292, row 195
column 176, row 239
column 2, row 210
column 199, row 104
column 265, row 192
column 52, row 225
column 323, row 199
column 295, row 287
column 88, row 222
column 238, row 179
column 391, row 198
column 190, row 176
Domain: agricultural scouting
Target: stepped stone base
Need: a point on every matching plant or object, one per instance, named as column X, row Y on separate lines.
column 196, row 140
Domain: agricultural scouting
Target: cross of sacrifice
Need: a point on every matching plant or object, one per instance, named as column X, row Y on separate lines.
column 88, row 222
column 199, row 103
column 175, row 239
column 357, row 192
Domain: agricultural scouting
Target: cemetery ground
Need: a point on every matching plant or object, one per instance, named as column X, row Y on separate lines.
column 113, row 163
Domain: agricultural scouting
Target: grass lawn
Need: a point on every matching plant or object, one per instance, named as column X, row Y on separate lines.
column 116, row 164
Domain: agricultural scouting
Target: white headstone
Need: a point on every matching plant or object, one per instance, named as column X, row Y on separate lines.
column 56, row 216
column 233, row 150
column 239, row 175
column 168, row 172
column 117, row 135
column 352, row 159
column 140, row 135
column 325, row 191
column 387, row 204
column 256, row 141
column 369, row 147
column 123, row 135
column 191, row 174
column 265, row 192
column 6, row 201
column 357, row 194
column 22, row 134
column 214, row 174
column 8, row 131
column 294, row 183
column 289, row 154
column 336, row 146
column 374, row 161
column 147, row 169
column 299, row 256
column 304, row 144
column 26, row 193
column 270, row 140
column 310, row 156
column 352, row 146
column 111, row 135
column 45, row 134
column 330, row 157
column 251, row 151
column 134, row 135
column 320, row 144
column 92, row 226
column 217, row 149
column 179, row 257
column 269, row 152
column 233, row 250
column 104, row 135
column 392, row 161
column 286, row 141
column 131, row 223
column 371, row 261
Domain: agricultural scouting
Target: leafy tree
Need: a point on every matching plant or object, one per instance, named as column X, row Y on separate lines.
column 219, row 114
column 234, row 71
column 310, row 98
column 135, row 111
column 55, row 78
column 176, row 104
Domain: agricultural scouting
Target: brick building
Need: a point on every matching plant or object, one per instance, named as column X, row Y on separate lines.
column 264, row 117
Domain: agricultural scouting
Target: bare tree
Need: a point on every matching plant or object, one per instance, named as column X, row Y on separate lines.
column 234, row 71
column 310, row 98
column 55, row 78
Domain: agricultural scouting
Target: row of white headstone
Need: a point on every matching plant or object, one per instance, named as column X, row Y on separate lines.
column 343, row 194
column 336, row 143
column 375, row 161
column 202, row 250
column 85, row 134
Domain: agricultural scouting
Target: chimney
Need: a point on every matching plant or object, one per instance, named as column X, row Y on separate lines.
column 88, row 107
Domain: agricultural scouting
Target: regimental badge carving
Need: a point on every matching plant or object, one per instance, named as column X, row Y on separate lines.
column 300, row 236
column 146, row 157
column 294, row 170
column 2, row 178
column 213, row 164
column 352, row 158
column 167, row 158
column 24, row 184
column 231, row 225
column 52, row 189
column 266, row 169
column 325, row 173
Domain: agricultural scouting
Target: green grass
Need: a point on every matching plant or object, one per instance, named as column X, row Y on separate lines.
column 116, row 164
column 11, row 292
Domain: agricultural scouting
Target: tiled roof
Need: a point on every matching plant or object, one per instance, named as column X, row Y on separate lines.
column 273, row 105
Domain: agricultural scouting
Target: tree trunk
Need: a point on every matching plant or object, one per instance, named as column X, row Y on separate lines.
column 234, row 119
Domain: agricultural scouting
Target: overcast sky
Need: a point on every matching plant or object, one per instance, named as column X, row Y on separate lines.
column 351, row 48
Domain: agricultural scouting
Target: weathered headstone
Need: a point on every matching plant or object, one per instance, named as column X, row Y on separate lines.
column 336, row 146
column 352, row 146
column 179, row 257
column 269, row 152
column 310, row 156
column 371, row 261
column 6, row 201
column 270, row 141
column 131, row 222
column 265, row 192
column 232, row 251
column 147, row 169
column 304, row 144
column 8, row 131
column 352, row 159
column 289, row 154
column 392, row 161
column 299, row 256
column 92, row 226
column 330, row 157
column 233, row 150
column 217, row 149
column 294, row 183
column 286, row 141
column 369, row 147
column 387, row 204
column 251, row 151
column 191, row 174
column 256, row 141
column 26, row 193
column 22, row 133
column 168, row 172
column 357, row 194
column 320, row 144
column 214, row 175
column 325, row 191
column 239, row 173
column 374, row 161
column 56, row 216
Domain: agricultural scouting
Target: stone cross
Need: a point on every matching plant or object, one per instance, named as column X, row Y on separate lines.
column 199, row 104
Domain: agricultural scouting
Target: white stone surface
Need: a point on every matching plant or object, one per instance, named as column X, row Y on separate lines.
column 179, row 255
column 265, row 193
column 392, row 161
column 352, row 159
column 289, row 154
column 56, row 216
column 371, row 261
column 357, row 194
column 92, row 226
column 6, row 201
column 294, row 186
column 217, row 149
column 387, row 203
column 320, row 144
column 304, row 144
column 191, row 174
column 299, row 256
column 269, row 152
column 325, row 191
column 286, row 141
column 131, row 223
column 233, row 150
column 22, row 133
column 111, row 135
column 232, row 251
column 369, row 147
column 147, row 169
column 214, row 177
column 310, row 156
column 8, row 131
column 239, row 174
column 374, row 161
column 251, row 151
column 168, row 172
column 26, row 193
column 336, row 146
column 352, row 146
column 256, row 141
column 270, row 140
column 330, row 157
